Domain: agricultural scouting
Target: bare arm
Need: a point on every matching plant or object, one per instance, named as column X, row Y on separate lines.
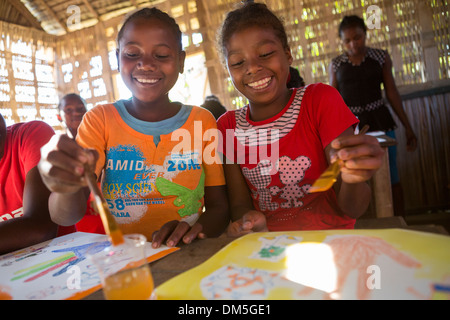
column 35, row 225
column 238, row 192
column 395, row 101
column 67, row 209
column 354, row 198
column 244, row 217
column 333, row 80
column 216, row 216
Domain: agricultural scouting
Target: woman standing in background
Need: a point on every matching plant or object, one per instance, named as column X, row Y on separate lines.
column 358, row 74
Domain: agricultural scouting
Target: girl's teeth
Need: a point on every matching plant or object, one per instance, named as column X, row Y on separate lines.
column 147, row 80
column 260, row 84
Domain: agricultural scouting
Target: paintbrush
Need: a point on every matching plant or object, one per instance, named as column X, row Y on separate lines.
column 329, row 176
column 109, row 223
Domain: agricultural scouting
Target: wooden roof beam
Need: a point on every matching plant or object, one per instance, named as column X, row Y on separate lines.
column 91, row 9
column 19, row 6
column 53, row 15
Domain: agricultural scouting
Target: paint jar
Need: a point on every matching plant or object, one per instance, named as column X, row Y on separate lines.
column 124, row 271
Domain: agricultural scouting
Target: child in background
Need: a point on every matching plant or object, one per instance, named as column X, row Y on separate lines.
column 24, row 216
column 290, row 136
column 156, row 176
column 72, row 108
column 213, row 105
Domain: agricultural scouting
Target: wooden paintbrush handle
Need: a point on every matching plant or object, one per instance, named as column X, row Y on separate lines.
column 109, row 223
column 364, row 130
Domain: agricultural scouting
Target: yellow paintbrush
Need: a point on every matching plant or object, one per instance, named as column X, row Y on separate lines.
column 109, row 223
column 329, row 176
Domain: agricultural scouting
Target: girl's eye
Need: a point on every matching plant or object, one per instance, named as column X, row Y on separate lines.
column 264, row 55
column 131, row 54
column 237, row 64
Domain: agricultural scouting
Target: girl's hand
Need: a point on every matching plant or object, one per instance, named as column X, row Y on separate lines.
column 411, row 140
column 362, row 156
column 62, row 164
column 252, row 221
column 174, row 231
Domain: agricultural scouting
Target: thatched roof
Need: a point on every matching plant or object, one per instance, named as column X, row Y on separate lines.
column 59, row 17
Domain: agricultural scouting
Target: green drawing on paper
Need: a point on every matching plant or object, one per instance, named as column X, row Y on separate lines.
column 270, row 252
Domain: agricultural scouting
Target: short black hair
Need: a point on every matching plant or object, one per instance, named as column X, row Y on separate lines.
column 295, row 80
column 352, row 21
column 212, row 103
column 71, row 95
column 250, row 14
column 152, row 13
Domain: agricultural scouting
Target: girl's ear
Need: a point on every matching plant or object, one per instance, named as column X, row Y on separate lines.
column 182, row 58
column 289, row 55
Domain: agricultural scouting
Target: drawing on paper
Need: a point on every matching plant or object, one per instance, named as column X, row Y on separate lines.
column 332, row 264
column 357, row 253
column 236, row 283
column 61, row 263
column 42, row 271
column 273, row 247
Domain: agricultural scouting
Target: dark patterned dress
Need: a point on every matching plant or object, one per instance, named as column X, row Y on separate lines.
column 360, row 87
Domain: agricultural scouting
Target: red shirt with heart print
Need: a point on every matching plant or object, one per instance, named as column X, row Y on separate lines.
column 282, row 156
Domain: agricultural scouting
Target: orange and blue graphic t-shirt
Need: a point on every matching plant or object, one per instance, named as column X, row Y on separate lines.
column 147, row 180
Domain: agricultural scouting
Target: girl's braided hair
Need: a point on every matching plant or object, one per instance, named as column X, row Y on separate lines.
column 152, row 13
column 250, row 14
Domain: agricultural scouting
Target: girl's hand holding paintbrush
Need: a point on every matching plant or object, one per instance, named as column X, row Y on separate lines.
column 63, row 163
column 361, row 156
column 62, row 168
